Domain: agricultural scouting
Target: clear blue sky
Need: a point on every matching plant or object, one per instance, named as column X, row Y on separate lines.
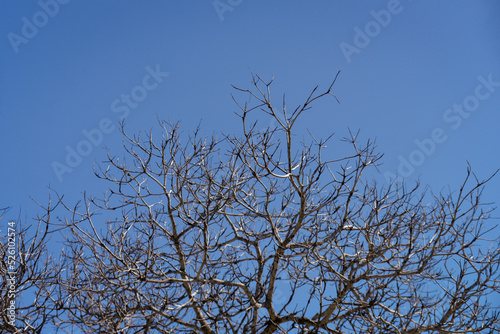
column 412, row 72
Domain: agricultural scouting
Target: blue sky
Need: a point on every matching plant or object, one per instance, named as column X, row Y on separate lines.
column 396, row 87
column 415, row 64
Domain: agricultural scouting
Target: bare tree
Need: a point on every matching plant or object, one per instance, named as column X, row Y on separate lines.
column 28, row 275
column 261, row 233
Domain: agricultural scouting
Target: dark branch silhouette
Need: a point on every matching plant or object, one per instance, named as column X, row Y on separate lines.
column 261, row 233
